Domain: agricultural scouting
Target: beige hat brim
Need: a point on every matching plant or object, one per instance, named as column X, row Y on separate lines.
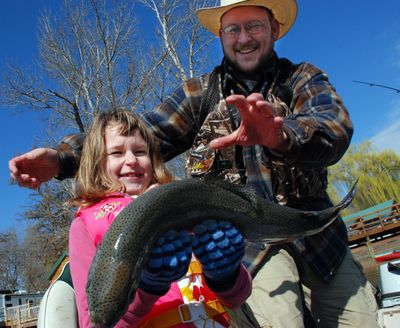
column 284, row 11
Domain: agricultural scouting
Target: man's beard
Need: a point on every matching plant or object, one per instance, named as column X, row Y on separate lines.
column 254, row 73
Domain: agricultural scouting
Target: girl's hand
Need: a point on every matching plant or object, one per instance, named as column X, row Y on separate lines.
column 219, row 247
column 168, row 261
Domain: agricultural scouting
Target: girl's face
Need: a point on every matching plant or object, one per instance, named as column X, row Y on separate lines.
column 127, row 160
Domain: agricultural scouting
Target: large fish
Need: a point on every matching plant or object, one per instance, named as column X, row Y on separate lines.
column 114, row 274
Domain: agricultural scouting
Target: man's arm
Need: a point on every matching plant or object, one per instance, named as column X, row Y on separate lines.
column 42, row 164
column 35, row 167
column 319, row 128
column 315, row 134
column 174, row 123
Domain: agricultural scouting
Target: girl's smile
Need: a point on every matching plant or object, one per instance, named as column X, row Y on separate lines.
column 127, row 160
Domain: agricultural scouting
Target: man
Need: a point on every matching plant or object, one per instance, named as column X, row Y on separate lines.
column 264, row 121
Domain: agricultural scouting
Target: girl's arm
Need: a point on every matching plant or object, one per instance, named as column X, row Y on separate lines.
column 81, row 252
column 235, row 296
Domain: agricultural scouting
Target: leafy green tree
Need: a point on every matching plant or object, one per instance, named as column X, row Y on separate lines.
column 378, row 175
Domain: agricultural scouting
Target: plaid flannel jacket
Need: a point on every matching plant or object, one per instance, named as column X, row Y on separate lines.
column 319, row 129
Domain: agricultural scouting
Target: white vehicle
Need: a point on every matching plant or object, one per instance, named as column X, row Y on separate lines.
column 389, row 314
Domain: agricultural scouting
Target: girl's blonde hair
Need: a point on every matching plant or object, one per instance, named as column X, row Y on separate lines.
column 92, row 180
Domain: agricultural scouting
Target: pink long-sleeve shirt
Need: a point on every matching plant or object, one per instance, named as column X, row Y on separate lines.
column 86, row 232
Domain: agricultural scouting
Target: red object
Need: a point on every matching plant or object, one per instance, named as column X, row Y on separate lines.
column 388, row 257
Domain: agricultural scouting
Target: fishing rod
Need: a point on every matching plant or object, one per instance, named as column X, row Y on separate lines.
column 378, row 85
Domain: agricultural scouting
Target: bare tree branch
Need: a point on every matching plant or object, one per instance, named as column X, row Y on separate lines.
column 92, row 57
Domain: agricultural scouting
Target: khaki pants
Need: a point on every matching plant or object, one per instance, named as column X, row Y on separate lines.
column 278, row 295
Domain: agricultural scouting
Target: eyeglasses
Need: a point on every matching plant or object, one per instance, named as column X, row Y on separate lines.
column 252, row 27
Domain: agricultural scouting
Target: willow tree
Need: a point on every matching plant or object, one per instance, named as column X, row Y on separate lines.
column 377, row 172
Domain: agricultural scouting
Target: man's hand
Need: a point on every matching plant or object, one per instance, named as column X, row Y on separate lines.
column 259, row 125
column 219, row 247
column 35, row 167
column 168, row 261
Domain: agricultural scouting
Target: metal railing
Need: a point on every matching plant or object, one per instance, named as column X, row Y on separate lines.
column 384, row 220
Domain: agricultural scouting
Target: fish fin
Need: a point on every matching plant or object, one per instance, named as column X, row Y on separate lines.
column 245, row 191
column 333, row 212
column 348, row 198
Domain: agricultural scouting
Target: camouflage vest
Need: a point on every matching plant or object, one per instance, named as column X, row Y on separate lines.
column 217, row 119
column 218, row 122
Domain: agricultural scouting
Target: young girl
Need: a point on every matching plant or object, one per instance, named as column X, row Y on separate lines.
column 120, row 161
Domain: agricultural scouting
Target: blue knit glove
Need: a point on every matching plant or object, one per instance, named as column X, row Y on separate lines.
column 219, row 247
column 168, row 261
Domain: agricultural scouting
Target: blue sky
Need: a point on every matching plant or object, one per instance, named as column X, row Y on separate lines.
column 349, row 39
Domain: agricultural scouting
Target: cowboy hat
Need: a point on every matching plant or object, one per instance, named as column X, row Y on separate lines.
column 284, row 11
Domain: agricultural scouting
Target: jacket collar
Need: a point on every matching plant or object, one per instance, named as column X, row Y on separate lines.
column 231, row 83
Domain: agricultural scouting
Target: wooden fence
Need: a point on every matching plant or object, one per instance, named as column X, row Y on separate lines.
column 21, row 316
column 385, row 220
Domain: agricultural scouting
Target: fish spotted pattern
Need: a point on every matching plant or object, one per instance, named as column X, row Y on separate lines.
column 114, row 274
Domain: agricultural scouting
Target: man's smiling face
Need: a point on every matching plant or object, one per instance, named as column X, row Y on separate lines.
column 245, row 51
